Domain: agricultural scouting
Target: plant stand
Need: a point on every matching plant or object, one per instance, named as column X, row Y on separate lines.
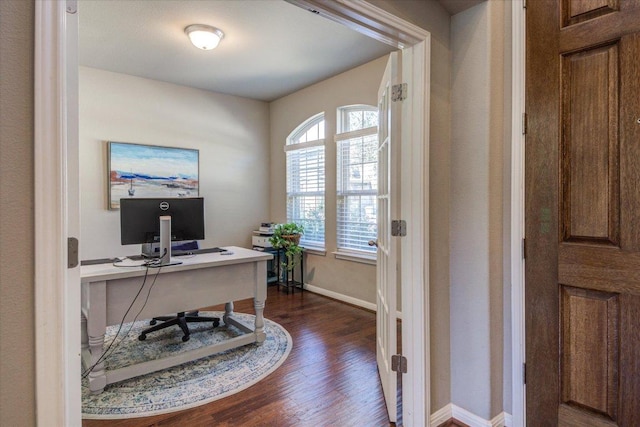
column 287, row 279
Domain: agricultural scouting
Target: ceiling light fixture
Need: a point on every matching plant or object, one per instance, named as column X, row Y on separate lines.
column 204, row 37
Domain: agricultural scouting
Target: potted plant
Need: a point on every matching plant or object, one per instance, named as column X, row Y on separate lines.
column 287, row 237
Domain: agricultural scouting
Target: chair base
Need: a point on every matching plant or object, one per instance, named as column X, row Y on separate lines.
column 182, row 319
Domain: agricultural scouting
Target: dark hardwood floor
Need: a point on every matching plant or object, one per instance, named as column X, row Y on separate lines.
column 329, row 379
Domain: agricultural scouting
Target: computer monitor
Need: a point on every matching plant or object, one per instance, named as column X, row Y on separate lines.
column 140, row 221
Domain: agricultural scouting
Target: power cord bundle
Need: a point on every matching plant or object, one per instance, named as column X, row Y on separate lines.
column 106, row 353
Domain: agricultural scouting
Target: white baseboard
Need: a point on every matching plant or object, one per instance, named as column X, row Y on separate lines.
column 501, row 420
column 441, row 415
column 340, row 297
column 472, row 420
column 344, row 298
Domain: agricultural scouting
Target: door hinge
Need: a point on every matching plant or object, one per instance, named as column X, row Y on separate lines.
column 399, row 92
column 72, row 252
column 524, row 123
column 72, row 6
column 398, row 227
column 399, row 363
column 524, row 248
column 524, row 373
column 524, row 4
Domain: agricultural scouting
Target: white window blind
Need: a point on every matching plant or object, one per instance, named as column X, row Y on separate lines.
column 357, row 180
column 306, row 181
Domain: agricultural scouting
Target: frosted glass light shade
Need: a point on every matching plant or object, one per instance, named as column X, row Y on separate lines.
column 204, row 37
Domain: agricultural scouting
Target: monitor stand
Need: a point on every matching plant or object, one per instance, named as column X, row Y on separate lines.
column 165, row 244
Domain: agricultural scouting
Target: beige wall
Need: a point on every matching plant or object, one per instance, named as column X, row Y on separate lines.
column 478, row 198
column 231, row 134
column 357, row 86
column 17, row 347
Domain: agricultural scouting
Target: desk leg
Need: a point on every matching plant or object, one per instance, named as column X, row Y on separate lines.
column 228, row 312
column 260, row 296
column 96, row 328
column 84, row 337
column 259, row 325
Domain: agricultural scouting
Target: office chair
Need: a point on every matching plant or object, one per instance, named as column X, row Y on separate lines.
column 182, row 318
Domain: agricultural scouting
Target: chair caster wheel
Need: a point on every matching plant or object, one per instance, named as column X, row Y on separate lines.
column 142, row 337
column 185, row 338
column 153, row 322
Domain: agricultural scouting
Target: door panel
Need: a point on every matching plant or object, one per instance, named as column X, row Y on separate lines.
column 590, row 156
column 590, row 342
column 582, row 172
column 575, row 11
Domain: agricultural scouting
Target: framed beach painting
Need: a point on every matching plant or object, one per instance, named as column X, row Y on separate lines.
column 137, row 170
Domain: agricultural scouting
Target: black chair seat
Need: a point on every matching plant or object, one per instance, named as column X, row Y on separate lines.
column 182, row 319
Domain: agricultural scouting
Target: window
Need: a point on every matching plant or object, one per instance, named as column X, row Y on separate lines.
column 305, row 180
column 357, row 180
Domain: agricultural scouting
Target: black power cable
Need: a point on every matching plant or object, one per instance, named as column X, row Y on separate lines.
column 109, row 351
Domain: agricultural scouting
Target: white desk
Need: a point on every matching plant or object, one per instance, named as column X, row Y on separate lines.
column 200, row 281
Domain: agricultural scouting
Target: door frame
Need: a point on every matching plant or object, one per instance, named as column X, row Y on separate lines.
column 517, row 261
column 57, row 385
column 56, row 202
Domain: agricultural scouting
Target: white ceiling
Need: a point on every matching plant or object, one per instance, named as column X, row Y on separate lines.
column 270, row 49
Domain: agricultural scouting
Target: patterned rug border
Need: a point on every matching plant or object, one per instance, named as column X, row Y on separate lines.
column 283, row 358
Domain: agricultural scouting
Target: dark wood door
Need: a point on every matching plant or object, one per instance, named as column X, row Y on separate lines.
column 582, row 296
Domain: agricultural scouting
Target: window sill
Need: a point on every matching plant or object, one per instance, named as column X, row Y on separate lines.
column 315, row 251
column 356, row 257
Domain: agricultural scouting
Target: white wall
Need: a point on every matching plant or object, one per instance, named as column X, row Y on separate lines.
column 357, row 86
column 231, row 133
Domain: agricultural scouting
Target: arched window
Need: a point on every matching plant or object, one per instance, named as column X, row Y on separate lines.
column 357, row 180
column 305, row 180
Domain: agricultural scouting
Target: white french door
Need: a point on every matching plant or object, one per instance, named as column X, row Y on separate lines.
column 386, row 269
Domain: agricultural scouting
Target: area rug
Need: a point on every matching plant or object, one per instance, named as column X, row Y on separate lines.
column 188, row 385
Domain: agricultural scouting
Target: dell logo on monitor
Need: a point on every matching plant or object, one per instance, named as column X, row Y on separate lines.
column 164, row 206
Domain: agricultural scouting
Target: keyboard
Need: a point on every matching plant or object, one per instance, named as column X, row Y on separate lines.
column 140, row 257
column 196, row 251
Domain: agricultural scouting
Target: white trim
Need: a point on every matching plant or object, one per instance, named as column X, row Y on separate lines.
column 469, row 418
column 57, row 385
column 503, row 419
column 518, row 388
column 303, row 145
column 367, row 19
column 315, row 251
column 355, row 134
column 345, row 298
column 340, row 297
column 472, row 420
column 356, row 257
column 414, row 207
column 442, row 415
